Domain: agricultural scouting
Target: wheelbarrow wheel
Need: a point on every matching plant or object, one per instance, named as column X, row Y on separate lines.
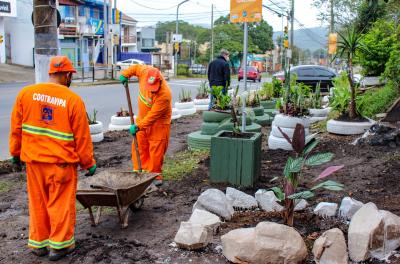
column 137, row 205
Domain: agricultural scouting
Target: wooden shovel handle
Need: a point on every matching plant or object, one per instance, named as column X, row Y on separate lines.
column 128, row 97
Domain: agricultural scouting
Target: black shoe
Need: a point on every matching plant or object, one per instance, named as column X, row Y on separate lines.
column 40, row 252
column 57, row 254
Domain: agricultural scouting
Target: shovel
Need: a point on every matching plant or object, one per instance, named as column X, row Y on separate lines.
column 128, row 97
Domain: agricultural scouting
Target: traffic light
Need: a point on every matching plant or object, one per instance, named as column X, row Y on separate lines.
column 286, row 38
column 332, row 43
column 176, row 48
column 1, row 38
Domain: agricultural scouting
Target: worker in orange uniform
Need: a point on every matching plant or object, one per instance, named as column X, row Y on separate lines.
column 154, row 118
column 50, row 133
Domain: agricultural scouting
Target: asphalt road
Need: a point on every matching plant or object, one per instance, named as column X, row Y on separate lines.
column 106, row 99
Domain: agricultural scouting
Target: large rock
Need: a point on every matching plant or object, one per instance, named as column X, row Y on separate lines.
column 386, row 240
column 206, row 219
column 363, row 225
column 349, row 207
column 266, row 243
column 268, row 201
column 330, row 248
column 193, row 236
column 326, row 209
column 240, row 200
column 238, row 245
column 215, row 201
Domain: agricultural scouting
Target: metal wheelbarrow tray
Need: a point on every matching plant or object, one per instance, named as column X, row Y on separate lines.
column 123, row 190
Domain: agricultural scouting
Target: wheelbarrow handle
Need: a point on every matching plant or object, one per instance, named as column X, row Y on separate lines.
column 135, row 142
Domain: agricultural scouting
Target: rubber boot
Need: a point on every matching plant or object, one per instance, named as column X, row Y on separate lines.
column 158, row 181
column 40, row 252
column 57, row 254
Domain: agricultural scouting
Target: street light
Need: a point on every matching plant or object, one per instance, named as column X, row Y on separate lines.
column 176, row 32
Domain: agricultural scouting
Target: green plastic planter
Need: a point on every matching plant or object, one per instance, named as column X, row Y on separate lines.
column 270, row 104
column 235, row 160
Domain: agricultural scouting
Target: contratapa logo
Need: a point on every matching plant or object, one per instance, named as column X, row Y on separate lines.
column 5, row 7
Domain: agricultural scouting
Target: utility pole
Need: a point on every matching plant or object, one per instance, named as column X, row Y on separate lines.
column 105, row 23
column 292, row 26
column 46, row 37
column 110, row 35
column 245, row 40
column 212, row 33
column 177, row 32
column 332, row 28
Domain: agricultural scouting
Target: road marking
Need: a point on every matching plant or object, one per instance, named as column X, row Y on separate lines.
column 183, row 84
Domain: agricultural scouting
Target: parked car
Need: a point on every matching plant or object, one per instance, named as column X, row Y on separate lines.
column 252, row 74
column 122, row 65
column 198, row 69
column 311, row 75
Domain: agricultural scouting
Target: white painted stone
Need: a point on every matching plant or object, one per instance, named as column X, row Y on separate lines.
column 300, row 205
column 267, row 201
column 215, row 201
column 349, row 207
column 364, row 223
column 268, row 242
column 330, row 248
column 192, row 236
column 326, row 209
column 206, row 219
column 240, row 200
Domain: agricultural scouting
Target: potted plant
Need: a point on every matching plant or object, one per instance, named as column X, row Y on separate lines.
column 348, row 121
column 235, row 155
column 269, row 92
column 317, row 111
column 120, row 121
column 254, row 110
column 185, row 104
column 202, row 100
column 293, row 173
column 96, row 127
column 293, row 110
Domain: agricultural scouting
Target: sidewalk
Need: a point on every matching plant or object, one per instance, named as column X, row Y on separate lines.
column 14, row 73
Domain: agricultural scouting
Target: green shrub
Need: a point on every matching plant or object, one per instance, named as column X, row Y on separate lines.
column 341, row 97
column 266, row 92
column 183, row 70
column 376, row 101
column 392, row 70
column 379, row 43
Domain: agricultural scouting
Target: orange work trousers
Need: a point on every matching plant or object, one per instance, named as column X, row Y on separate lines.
column 52, row 212
column 153, row 144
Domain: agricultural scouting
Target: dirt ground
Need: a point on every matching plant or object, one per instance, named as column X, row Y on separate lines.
column 370, row 174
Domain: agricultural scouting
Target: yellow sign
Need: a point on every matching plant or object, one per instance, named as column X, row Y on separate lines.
column 246, row 11
column 332, row 43
column 1, row 39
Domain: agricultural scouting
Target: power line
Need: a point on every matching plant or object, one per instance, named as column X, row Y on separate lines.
column 152, row 8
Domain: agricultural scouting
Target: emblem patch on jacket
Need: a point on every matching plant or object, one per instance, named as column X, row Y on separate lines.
column 47, row 113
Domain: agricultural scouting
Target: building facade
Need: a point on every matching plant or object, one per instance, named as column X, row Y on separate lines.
column 146, row 39
column 128, row 34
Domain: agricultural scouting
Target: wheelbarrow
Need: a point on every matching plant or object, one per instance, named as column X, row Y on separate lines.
column 123, row 190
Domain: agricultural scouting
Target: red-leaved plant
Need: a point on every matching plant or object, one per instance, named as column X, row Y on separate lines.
column 293, row 172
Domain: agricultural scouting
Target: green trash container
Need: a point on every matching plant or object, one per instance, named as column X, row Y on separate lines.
column 235, row 160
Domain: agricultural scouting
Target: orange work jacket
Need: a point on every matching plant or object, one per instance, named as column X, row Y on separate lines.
column 49, row 124
column 154, row 107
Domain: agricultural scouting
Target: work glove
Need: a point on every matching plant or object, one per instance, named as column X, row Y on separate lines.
column 16, row 161
column 133, row 129
column 123, row 79
column 91, row 170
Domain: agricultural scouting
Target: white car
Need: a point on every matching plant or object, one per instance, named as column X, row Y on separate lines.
column 122, row 65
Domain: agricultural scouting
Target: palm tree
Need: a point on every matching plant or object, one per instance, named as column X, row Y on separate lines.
column 349, row 43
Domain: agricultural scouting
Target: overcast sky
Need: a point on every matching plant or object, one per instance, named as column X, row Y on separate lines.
column 149, row 12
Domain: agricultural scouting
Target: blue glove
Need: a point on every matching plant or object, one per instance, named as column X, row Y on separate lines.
column 123, row 79
column 91, row 170
column 133, row 129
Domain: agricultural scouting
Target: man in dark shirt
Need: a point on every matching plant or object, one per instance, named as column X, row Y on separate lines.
column 219, row 73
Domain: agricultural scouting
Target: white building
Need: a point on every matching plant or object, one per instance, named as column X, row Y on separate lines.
column 128, row 34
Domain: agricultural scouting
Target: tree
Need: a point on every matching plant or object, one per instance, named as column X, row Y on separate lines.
column 369, row 12
column 188, row 31
column 380, row 41
column 222, row 20
column 261, row 34
column 345, row 11
column 349, row 45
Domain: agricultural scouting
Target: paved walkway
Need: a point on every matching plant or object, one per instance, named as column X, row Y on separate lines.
column 14, row 73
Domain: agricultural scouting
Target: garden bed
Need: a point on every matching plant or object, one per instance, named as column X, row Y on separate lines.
column 370, row 174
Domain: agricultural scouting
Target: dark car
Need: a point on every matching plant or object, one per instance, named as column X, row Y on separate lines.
column 311, row 75
column 252, row 74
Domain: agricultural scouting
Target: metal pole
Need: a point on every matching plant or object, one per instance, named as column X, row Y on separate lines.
column 46, row 37
column 212, row 33
column 176, row 32
column 292, row 26
column 244, row 77
column 332, row 29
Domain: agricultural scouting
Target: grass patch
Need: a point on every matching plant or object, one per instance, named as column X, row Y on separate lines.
column 376, row 101
column 5, row 186
column 181, row 163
